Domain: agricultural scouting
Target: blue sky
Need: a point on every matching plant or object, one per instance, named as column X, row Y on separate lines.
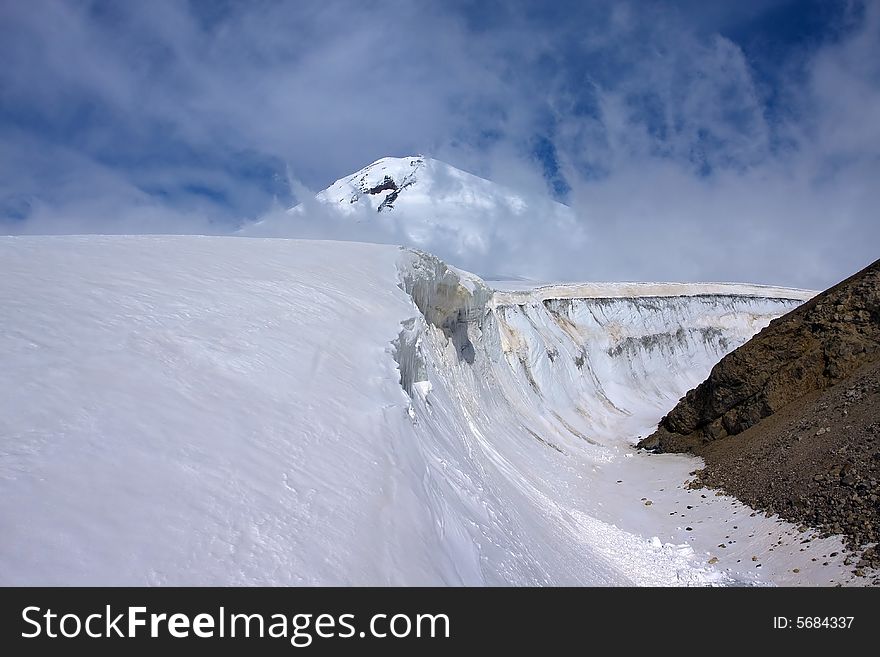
column 695, row 140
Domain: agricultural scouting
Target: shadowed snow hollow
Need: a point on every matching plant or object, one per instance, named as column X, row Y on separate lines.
column 185, row 410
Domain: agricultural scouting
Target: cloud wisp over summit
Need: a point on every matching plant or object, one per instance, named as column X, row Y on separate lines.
column 694, row 141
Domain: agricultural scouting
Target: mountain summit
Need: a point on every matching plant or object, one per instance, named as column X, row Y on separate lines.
column 425, row 203
column 418, row 183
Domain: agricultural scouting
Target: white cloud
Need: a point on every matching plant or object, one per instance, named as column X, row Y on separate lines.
column 659, row 123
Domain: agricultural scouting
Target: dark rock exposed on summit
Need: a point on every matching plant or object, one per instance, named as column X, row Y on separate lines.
column 387, row 185
column 388, row 202
column 384, row 186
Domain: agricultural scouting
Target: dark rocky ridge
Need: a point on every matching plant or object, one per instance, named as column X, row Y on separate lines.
column 817, row 345
column 387, row 184
column 789, row 423
column 817, row 462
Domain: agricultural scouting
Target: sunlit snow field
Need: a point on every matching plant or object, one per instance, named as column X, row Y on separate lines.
column 195, row 410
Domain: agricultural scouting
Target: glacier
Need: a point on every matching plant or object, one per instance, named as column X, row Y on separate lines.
column 243, row 411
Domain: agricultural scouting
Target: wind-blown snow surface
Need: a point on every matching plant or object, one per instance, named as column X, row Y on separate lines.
column 194, row 410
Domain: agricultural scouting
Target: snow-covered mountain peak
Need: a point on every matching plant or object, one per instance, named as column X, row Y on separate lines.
column 380, row 184
column 422, row 202
column 419, row 182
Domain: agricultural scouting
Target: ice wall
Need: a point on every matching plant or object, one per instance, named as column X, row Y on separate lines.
column 618, row 351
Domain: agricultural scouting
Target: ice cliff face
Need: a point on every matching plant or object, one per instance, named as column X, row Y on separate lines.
column 539, row 394
column 591, row 357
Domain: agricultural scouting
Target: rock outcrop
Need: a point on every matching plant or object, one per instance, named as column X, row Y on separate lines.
column 789, row 423
column 810, row 349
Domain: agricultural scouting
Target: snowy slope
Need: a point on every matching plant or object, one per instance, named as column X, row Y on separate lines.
column 193, row 410
column 428, row 204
